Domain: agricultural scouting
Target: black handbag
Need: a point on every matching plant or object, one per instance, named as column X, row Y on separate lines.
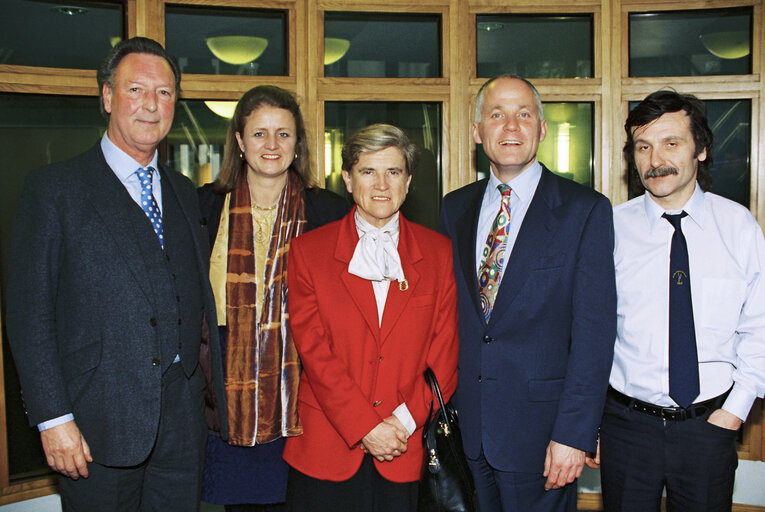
column 446, row 484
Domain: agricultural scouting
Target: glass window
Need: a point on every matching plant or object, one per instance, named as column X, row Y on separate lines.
column 731, row 169
column 195, row 142
column 691, row 43
column 382, row 45
column 534, row 46
column 223, row 41
column 75, row 34
column 422, row 124
column 35, row 130
column 568, row 146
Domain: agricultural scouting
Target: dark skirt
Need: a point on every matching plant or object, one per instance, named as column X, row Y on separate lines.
column 366, row 491
column 244, row 474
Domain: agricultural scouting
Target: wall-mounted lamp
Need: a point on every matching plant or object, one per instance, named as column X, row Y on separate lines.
column 237, row 50
column 335, row 49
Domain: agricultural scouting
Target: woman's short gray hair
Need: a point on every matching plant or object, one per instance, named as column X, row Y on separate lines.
column 377, row 137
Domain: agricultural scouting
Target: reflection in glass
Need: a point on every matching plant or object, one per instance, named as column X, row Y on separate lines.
column 691, row 43
column 422, row 124
column 227, row 41
column 534, row 46
column 730, row 121
column 567, row 148
column 384, row 45
column 75, row 34
column 195, row 142
column 35, row 130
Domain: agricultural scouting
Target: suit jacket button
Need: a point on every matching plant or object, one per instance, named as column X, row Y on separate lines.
column 377, row 403
column 153, row 322
column 155, row 361
column 487, row 339
column 480, row 379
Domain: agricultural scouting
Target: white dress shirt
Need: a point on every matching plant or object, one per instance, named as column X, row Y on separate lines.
column 726, row 253
column 523, row 187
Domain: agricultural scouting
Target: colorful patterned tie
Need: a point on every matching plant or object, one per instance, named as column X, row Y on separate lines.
column 683, row 357
column 494, row 255
column 149, row 204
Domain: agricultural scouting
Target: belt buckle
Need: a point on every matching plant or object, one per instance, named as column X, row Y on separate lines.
column 674, row 413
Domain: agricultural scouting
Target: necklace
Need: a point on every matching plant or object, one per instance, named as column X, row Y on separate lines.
column 265, row 209
column 264, row 222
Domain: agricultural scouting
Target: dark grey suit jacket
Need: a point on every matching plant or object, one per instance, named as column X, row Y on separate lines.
column 82, row 314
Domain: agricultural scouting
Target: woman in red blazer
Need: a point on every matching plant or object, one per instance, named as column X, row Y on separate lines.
column 372, row 304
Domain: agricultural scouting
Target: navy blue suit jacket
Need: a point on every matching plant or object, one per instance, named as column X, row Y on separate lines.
column 539, row 370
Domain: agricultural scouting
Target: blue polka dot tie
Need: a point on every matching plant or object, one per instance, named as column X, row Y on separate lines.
column 149, row 204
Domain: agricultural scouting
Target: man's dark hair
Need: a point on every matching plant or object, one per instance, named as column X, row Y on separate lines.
column 108, row 67
column 653, row 107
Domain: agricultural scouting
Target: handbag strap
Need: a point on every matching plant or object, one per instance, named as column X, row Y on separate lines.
column 431, row 379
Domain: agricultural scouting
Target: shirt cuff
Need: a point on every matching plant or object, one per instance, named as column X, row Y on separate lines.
column 55, row 422
column 405, row 417
column 739, row 402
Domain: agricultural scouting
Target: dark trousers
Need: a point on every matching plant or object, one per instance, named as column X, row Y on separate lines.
column 504, row 491
column 366, row 491
column 169, row 480
column 642, row 454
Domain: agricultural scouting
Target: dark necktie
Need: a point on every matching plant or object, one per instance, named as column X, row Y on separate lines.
column 683, row 358
column 149, row 204
column 493, row 257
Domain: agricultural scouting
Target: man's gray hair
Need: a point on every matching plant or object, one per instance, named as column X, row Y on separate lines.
column 479, row 97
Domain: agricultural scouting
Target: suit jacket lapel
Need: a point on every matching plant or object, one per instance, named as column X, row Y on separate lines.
column 467, row 227
column 116, row 208
column 397, row 299
column 532, row 238
column 360, row 290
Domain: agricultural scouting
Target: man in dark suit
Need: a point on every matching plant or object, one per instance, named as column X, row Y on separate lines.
column 107, row 300
column 533, row 258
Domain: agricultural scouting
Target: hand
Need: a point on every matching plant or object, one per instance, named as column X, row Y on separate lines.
column 384, row 442
column 563, row 465
column 594, row 460
column 394, row 422
column 66, row 450
column 725, row 419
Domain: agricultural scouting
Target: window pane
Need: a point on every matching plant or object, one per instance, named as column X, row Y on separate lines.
column 382, row 45
column 422, row 124
column 534, row 46
column 35, row 130
column 568, row 146
column 730, row 121
column 75, row 34
column 195, row 142
column 221, row 41
column 691, row 43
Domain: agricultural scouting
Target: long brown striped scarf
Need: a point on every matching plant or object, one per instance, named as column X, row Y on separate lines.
column 262, row 365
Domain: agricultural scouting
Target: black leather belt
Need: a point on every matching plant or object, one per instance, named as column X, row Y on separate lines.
column 669, row 413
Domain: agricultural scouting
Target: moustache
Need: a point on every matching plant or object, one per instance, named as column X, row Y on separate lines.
column 658, row 172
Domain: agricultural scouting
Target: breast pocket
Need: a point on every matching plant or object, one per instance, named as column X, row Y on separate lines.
column 721, row 302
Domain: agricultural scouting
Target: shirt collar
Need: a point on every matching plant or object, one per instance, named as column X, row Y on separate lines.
column 120, row 162
column 694, row 208
column 524, row 185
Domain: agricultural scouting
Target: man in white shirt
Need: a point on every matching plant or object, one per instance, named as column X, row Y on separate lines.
column 688, row 364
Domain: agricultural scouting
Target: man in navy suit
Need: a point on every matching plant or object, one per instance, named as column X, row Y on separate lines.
column 107, row 300
column 533, row 258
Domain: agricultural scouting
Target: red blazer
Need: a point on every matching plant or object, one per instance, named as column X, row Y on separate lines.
column 356, row 372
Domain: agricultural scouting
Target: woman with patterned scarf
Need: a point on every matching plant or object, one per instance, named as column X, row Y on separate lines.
column 262, row 198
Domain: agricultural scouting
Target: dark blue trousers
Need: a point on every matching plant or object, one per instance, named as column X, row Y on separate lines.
column 641, row 455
